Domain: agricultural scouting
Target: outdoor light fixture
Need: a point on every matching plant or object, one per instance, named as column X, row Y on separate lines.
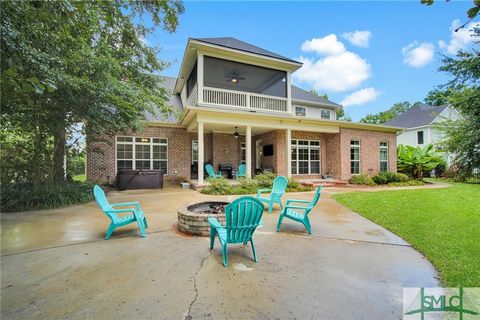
column 234, row 80
column 236, row 134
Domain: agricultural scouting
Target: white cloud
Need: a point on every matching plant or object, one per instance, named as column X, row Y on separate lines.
column 418, row 54
column 358, row 38
column 338, row 69
column 341, row 72
column 360, row 97
column 328, row 45
column 458, row 40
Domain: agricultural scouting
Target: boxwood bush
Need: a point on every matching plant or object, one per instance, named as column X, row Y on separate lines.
column 363, row 179
column 27, row 197
column 388, row 177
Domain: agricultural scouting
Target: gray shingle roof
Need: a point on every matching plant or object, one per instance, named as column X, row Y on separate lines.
column 300, row 94
column 417, row 116
column 174, row 102
column 232, row 43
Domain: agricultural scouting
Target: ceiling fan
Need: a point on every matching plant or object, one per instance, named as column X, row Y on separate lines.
column 234, row 77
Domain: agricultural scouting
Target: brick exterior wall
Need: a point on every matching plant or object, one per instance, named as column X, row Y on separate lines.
column 223, row 148
column 226, row 149
column 369, row 150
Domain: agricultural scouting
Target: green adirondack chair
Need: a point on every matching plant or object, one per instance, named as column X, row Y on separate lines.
column 299, row 213
column 136, row 213
column 242, row 171
column 211, row 172
column 276, row 193
column 243, row 217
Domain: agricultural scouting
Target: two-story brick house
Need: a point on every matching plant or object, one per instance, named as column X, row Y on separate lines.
column 237, row 105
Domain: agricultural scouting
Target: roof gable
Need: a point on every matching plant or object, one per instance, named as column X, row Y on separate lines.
column 417, row 116
column 232, row 43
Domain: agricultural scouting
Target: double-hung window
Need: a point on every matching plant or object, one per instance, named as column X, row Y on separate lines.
column 355, row 157
column 325, row 114
column 305, row 157
column 300, row 111
column 141, row 153
column 383, row 156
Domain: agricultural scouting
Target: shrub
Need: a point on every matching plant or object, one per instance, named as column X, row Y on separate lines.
column 217, row 186
column 380, row 179
column 293, row 184
column 387, row 177
column 26, row 196
column 248, row 185
column 265, row 180
column 363, row 179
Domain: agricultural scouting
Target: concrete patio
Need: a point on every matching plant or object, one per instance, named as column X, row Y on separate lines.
column 55, row 264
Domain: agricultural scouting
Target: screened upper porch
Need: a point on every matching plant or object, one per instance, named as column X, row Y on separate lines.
column 239, row 85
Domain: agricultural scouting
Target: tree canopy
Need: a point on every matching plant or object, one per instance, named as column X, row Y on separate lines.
column 64, row 63
column 387, row 115
column 463, row 135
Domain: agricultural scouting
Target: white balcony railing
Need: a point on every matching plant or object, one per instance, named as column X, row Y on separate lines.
column 240, row 99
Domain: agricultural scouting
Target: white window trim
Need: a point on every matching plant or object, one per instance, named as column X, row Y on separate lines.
column 133, row 150
column 302, row 107
column 309, row 160
column 359, row 157
column 192, row 150
column 386, row 148
column 329, row 114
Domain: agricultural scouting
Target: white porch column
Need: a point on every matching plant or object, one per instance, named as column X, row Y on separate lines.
column 200, row 153
column 289, row 93
column 200, row 77
column 248, row 151
column 289, row 152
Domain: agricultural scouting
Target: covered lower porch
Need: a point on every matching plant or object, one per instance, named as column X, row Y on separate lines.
column 295, row 148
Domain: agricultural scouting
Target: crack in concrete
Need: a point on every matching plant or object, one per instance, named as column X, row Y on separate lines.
column 188, row 316
column 78, row 243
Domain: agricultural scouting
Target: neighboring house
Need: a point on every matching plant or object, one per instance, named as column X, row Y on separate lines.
column 420, row 126
column 237, row 105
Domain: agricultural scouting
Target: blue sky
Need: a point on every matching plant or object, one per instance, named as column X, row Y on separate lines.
column 393, row 59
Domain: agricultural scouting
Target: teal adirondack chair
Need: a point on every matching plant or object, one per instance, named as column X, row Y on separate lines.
column 242, row 171
column 276, row 193
column 211, row 172
column 136, row 214
column 299, row 213
column 243, row 217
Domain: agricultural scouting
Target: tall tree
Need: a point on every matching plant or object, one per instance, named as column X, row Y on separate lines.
column 438, row 96
column 66, row 62
column 392, row 112
column 463, row 135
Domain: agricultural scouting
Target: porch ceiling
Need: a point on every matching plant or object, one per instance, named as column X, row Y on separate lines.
column 227, row 128
column 216, row 120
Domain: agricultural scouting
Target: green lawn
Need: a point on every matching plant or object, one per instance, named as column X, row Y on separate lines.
column 443, row 224
column 79, row 177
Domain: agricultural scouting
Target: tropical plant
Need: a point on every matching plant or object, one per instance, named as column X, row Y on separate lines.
column 415, row 160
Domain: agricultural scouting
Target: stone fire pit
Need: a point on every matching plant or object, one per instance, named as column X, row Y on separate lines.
column 193, row 217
